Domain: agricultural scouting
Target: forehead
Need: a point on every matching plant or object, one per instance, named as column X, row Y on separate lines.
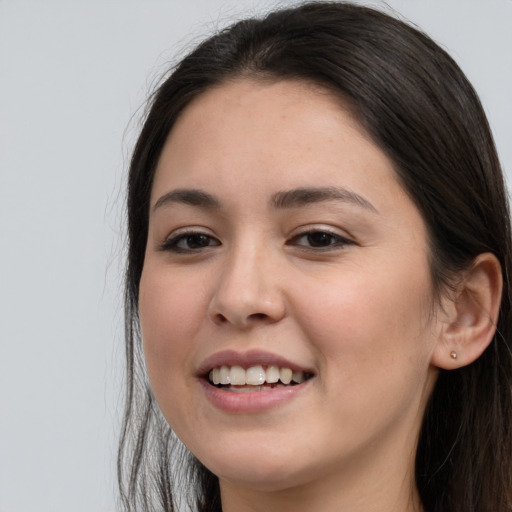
column 251, row 105
column 284, row 130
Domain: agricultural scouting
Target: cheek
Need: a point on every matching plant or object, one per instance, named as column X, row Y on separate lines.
column 373, row 344
column 368, row 317
column 170, row 315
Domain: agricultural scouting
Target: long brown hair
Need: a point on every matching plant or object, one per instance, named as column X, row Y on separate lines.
column 420, row 109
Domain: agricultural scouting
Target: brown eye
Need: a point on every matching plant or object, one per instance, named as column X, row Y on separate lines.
column 319, row 240
column 190, row 242
column 196, row 241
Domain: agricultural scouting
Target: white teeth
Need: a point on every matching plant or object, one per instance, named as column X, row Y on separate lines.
column 237, row 376
column 285, row 375
column 224, row 375
column 254, row 376
column 272, row 374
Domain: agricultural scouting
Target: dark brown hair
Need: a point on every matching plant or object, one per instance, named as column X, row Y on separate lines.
column 418, row 107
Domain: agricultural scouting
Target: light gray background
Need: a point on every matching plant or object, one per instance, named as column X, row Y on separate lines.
column 72, row 74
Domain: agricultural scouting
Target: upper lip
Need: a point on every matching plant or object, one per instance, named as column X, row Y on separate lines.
column 246, row 360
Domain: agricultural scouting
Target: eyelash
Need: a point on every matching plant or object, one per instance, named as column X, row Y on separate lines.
column 204, row 241
column 336, row 241
column 172, row 244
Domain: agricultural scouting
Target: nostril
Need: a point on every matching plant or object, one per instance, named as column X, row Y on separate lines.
column 220, row 318
column 246, row 310
column 258, row 316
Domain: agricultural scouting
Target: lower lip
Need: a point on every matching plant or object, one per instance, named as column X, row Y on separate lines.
column 251, row 401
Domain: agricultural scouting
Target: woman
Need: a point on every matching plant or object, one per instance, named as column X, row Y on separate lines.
column 319, row 252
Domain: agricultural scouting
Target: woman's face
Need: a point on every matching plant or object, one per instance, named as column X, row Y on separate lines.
column 281, row 241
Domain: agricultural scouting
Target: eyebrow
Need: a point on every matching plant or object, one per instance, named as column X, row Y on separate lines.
column 281, row 200
column 310, row 195
column 191, row 197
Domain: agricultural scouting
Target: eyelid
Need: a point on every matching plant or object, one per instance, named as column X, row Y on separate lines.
column 193, row 229
column 344, row 239
column 170, row 242
column 323, row 228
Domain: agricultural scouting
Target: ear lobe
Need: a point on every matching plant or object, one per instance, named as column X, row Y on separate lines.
column 471, row 316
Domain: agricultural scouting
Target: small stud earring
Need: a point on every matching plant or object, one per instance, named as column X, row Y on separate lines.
column 453, row 354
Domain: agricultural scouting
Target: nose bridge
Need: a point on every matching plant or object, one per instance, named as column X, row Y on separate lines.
column 248, row 287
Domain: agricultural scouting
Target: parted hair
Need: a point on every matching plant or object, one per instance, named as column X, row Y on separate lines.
column 418, row 107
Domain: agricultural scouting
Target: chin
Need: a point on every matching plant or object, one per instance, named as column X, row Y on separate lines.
column 261, row 472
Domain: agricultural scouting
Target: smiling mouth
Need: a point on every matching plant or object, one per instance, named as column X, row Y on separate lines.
column 255, row 378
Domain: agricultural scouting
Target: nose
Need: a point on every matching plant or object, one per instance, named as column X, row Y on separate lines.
column 248, row 290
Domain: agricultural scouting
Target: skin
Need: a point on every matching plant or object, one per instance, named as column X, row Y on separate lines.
column 357, row 309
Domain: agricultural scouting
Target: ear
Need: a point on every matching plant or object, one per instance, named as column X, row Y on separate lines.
column 468, row 318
